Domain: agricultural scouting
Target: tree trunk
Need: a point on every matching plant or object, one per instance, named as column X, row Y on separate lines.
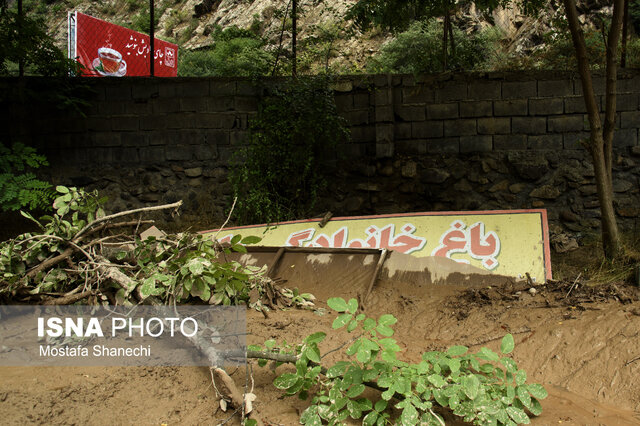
column 600, row 141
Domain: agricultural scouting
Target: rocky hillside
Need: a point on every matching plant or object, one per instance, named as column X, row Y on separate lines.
column 322, row 25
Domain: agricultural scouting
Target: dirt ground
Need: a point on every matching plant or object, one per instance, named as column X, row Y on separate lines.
column 582, row 344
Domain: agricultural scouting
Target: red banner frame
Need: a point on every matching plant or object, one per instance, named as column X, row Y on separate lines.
column 109, row 50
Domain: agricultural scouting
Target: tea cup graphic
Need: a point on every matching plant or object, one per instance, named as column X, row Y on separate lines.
column 110, row 59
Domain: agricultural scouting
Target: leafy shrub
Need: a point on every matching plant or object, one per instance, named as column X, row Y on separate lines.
column 19, row 188
column 278, row 176
column 236, row 52
column 31, row 44
column 481, row 388
column 419, row 50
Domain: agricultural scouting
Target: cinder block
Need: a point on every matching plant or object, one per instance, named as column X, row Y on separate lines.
column 361, row 100
column 384, row 132
column 411, row 147
column 165, row 106
column 443, row 145
column 111, row 108
column 575, row 104
column 193, row 104
column 402, row 131
column 598, row 86
column 427, row 129
column 442, row 111
column 630, row 119
column 119, row 92
column 382, row 96
column 134, row 139
column 214, row 121
column 510, row 108
column 476, row 143
column 178, row 152
column 125, row 123
column 494, row 125
column 153, row 122
column 410, row 113
column 417, row 95
column 245, row 88
column 357, row 117
column 217, row 137
column 519, row 89
column 529, row 125
column 151, row 154
column 566, row 123
column 363, row 134
column 485, row 90
column 626, row 101
column 385, row 113
column 461, row 127
column 573, row 140
column 222, row 88
column 544, row 142
column 220, row 104
column 451, row 92
column 476, row 109
column 344, row 102
column 107, row 139
column 555, row 88
column 625, row 137
column 546, row 106
column 509, row 142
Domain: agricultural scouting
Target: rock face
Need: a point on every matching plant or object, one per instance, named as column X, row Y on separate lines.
column 193, row 21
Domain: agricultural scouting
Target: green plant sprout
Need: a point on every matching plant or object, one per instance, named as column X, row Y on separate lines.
column 482, row 388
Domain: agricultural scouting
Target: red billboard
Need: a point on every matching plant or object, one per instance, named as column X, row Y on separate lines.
column 108, row 50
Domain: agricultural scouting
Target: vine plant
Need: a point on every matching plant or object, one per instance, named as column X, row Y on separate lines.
column 483, row 388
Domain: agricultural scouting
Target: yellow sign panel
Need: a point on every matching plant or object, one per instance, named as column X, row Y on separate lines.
column 505, row 242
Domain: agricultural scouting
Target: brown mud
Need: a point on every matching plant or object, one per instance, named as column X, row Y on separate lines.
column 581, row 343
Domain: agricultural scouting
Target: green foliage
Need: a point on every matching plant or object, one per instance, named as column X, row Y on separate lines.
column 186, row 268
column 236, row 52
column 26, row 39
column 279, row 175
column 419, row 50
column 634, row 15
column 481, row 388
column 19, row 188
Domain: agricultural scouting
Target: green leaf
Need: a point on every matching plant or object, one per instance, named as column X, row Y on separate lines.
column 352, row 306
column 511, row 365
column 409, row 415
column 312, row 353
column 381, row 405
column 337, row 369
column 457, row 350
column 354, row 409
column 285, row 381
column 521, row 377
column 315, row 338
column 537, row 391
column 536, row 407
column 523, row 396
column 355, row 390
column 471, row 386
column 62, row 189
column 341, row 321
column 487, row 354
column 387, row 319
column 370, row 419
column 236, row 239
column 337, row 304
column 368, row 324
column 251, row 240
column 196, row 267
column 437, row 380
column 507, row 344
column 384, row 330
column 310, row 416
column 454, row 365
column 518, row 415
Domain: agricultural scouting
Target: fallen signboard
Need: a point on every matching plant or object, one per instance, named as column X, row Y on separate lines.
column 505, row 242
